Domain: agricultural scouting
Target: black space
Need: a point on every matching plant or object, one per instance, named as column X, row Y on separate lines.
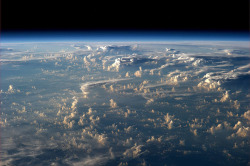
column 125, row 15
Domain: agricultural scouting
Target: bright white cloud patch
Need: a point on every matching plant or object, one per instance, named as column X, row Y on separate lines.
column 113, row 103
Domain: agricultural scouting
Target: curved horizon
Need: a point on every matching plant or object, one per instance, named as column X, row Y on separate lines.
column 120, row 35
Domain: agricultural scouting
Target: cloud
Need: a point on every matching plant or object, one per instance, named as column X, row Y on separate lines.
column 237, row 125
column 209, row 84
column 236, row 104
column 112, row 103
column 69, row 123
column 89, row 47
column 198, row 62
column 85, row 87
column 169, row 121
column 115, row 65
column 233, row 52
column 129, row 129
column 92, row 161
column 216, row 128
column 224, row 97
column 153, row 139
column 134, row 151
column 138, row 73
column 243, row 132
column 119, row 49
column 127, row 75
column 74, row 103
column 149, row 101
column 110, row 135
column 247, row 115
column 11, row 89
column 182, row 142
column 86, row 62
column 101, row 138
column 194, row 132
column 111, row 88
column 169, row 49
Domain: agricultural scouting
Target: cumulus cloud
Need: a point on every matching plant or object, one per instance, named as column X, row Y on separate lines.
column 247, row 115
column 138, row 73
column 209, row 84
column 129, row 129
column 153, row 139
column 89, row 47
column 115, row 65
column 11, row 89
column 224, row 97
column 127, row 75
column 169, row 121
column 182, row 142
column 197, row 62
column 112, row 103
column 215, row 128
column 237, row 125
column 243, row 132
column 194, row 132
column 149, row 101
column 134, row 151
column 74, row 103
column 236, row 104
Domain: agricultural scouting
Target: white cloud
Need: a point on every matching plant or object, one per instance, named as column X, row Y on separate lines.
column 111, row 153
column 182, row 142
column 194, row 132
column 101, row 138
column 115, row 65
column 111, row 88
column 11, row 89
column 90, row 111
column 129, row 129
column 92, row 161
column 149, row 101
column 197, row 62
column 89, row 47
column 133, row 152
column 247, row 115
column 209, row 84
column 216, row 128
column 236, row 104
column 243, row 132
column 127, row 75
column 237, row 125
column 87, row 85
column 81, row 121
column 224, row 97
column 153, row 139
column 112, row 103
column 74, row 103
column 169, row 121
column 86, row 62
column 138, row 73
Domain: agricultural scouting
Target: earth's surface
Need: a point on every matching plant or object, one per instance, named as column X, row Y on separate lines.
column 161, row 103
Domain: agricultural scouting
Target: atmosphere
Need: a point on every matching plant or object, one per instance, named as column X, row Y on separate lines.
column 118, row 35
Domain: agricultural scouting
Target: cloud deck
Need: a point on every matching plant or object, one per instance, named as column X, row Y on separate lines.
column 74, row 104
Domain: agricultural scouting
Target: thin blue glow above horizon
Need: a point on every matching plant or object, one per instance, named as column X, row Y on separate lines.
column 102, row 36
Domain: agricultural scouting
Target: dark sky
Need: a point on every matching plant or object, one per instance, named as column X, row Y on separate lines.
column 125, row 15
